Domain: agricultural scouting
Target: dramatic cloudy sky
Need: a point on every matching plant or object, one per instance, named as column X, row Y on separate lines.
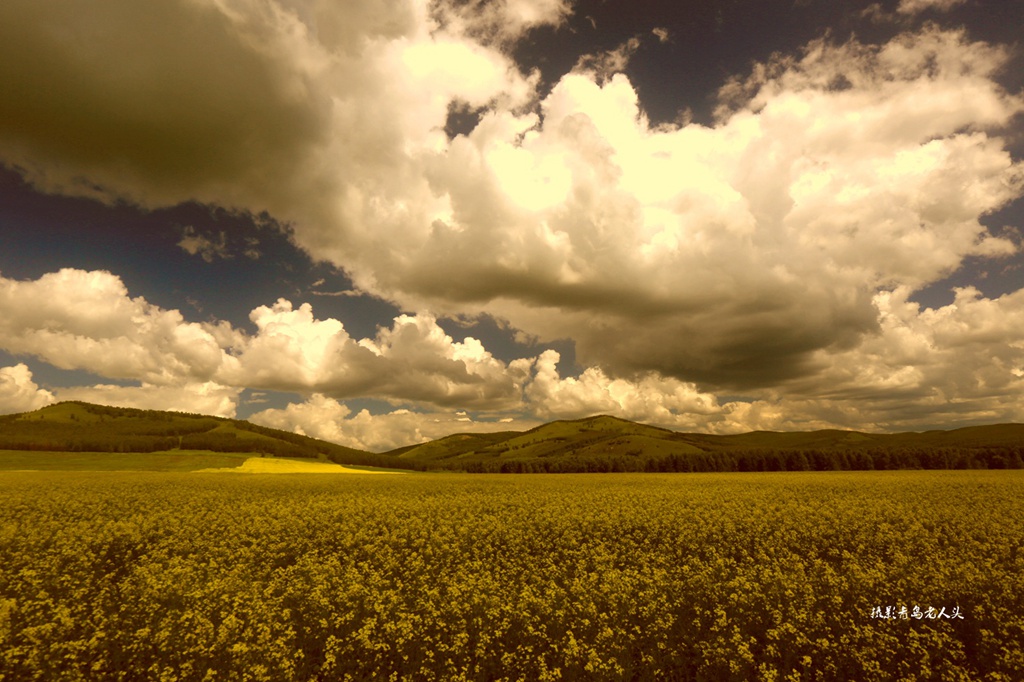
column 381, row 221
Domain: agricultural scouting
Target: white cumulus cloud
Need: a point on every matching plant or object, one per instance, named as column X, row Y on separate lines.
column 414, row 360
column 77, row 319
column 918, row 6
column 727, row 255
column 19, row 393
column 198, row 398
column 328, row 419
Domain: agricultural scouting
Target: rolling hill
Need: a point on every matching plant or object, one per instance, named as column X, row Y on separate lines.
column 592, row 437
column 75, row 434
column 605, row 443
column 79, row 435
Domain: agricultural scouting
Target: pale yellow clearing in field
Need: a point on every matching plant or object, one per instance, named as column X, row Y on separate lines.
column 265, row 465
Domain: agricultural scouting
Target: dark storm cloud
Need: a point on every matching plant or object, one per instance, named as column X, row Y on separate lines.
column 158, row 102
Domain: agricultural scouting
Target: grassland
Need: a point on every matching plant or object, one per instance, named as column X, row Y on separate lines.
column 622, row 577
column 171, row 460
column 261, row 465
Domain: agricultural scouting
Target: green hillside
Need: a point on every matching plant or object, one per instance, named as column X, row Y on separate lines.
column 76, row 435
column 829, row 439
column 605, row 443
column 593, row 436
column 571, row 445
column 451, row 446
column 80, row 435
column 996, row 435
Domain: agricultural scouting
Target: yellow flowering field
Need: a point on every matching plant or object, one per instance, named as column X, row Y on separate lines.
column 905, row 575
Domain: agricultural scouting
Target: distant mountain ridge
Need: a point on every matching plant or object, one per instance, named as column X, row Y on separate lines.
column 598, row 443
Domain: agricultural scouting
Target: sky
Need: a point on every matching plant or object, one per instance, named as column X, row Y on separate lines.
column 379, row 222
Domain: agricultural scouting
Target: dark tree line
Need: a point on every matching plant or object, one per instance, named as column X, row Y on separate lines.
column 764, row 460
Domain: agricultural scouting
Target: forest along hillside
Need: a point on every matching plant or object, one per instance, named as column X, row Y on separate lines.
column 82, row 432
column 77, row 427
column 608, row 444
